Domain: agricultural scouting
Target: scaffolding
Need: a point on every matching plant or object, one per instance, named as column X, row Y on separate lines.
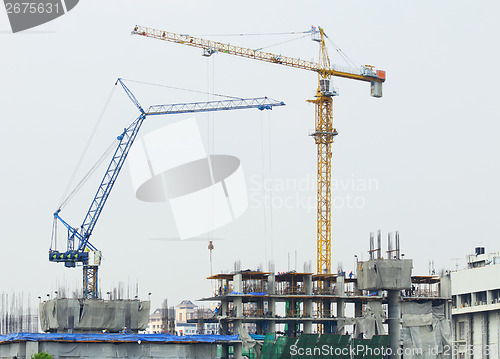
column 17, row 314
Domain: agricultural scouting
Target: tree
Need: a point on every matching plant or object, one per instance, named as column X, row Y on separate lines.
column 41, row 355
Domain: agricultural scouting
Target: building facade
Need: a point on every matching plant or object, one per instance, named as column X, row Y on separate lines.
column 476, row 307
column 181, row 320
column 161, row 322
column 415, row 310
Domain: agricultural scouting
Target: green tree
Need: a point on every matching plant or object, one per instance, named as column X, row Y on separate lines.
column 41, row 355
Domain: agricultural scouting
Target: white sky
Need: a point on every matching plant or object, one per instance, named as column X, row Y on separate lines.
column 429, row 147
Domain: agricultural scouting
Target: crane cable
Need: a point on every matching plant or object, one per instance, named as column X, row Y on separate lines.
column 267, row 194
column 184, row 89
column 342, row 54
column 256, row 34
column 264, row 187
column 271, row 189
column 89, row 174
column 65, row 199
column 53, row 237
column 279, row 43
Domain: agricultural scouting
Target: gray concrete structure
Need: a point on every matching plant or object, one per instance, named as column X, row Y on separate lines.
column 476, row 307
column 290, row 303
column 286, row 302
column 93, row 315
column 143, row 350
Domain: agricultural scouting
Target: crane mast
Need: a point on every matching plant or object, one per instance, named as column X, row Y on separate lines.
column 85, row 253
column 323, row 137
column 324, row 131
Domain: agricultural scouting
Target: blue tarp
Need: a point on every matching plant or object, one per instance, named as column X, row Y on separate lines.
column 251, row 293
column 158, row 338
column 257, row 336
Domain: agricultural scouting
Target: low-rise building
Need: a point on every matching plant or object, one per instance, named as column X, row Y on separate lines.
column 182, row 320
column 161, row 321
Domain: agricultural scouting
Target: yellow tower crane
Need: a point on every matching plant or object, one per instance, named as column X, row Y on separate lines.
column 324, row 131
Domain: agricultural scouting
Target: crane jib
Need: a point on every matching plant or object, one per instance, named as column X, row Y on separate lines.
column 87, row 254
column 365, row 73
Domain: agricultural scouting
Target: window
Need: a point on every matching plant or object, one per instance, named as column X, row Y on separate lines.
column 461, row 330
column 480, row 298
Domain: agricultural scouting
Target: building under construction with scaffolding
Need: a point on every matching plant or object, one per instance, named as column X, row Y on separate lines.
column 266, row 315
column 383, row 298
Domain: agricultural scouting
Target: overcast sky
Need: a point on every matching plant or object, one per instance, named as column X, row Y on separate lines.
column 422, row 160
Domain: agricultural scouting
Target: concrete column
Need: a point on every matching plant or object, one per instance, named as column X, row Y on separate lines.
column 271, row 311
column 237, row 325
column 224, row 307
column 445, row 286
column 238, row 313
column 271, row 303
column 358, row 309
column 394, row 321
column 489, row 297
column 308, row 307
column 356, row 290
column 339, row 288
column 225, row 351
column 260, row 313
column 238, row 307
column 271, row 307
column 340, row 316
column 473, row 299
column 340, row 291
column 31, row 349
column 260, row 308
column 271, row 326
column 238, row 350
column 271, row 284
column 238, row 283
column 459, row 301
column 308, row 287
column 225, row 327
column 237, row 302
column 308, row 326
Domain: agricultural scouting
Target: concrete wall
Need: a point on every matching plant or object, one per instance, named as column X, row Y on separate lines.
column 494, row 334
column 13, row 350
column 476, row 279
column 482, row 331
column 389, row 274
column 93, row 315
column 109, row 350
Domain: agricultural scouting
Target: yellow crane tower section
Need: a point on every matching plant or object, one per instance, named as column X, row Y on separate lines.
column 324, row 131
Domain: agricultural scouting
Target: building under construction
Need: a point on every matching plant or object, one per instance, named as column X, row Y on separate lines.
column 382, row 305
column 383, row 298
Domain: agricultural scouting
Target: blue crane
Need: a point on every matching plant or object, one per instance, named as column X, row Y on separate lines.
column 79, row 250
